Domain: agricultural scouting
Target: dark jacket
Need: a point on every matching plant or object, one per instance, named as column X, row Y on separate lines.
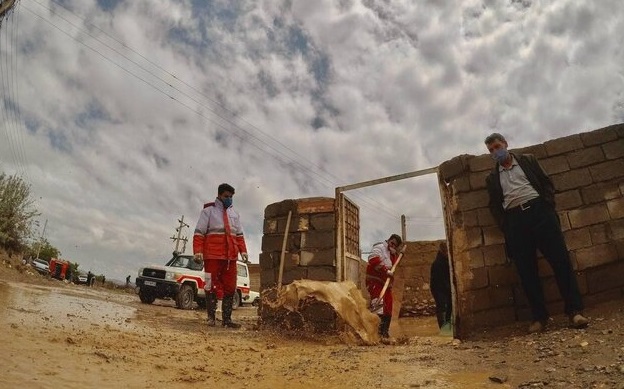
column 534, row 173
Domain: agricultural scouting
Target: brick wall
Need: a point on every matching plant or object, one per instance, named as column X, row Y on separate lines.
column 310, row 247
column 588, row 173
column 414, row 272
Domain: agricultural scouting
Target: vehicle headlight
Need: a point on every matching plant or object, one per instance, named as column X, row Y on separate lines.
column 170, row 276
column 140, row 272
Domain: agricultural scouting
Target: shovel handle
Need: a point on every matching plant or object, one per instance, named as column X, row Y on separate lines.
column 387, row 283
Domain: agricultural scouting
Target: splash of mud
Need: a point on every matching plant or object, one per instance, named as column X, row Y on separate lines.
column 344, row 297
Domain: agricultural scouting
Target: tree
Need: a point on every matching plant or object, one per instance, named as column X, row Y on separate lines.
column 16, row 213
column 45, row 249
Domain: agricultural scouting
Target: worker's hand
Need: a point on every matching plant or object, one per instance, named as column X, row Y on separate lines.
column 199, row 258
column 245, row 257
column 390, row 273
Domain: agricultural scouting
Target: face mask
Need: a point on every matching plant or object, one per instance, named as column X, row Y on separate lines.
column 227, row 202
column 500, row 155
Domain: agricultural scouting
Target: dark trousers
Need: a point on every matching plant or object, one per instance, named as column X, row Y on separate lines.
column 538, row 227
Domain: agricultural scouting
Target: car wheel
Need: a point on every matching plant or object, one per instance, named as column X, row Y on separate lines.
column 256, row 302
column 185, row 297
column 201, row 303
column 146, row 296
column 236, row 300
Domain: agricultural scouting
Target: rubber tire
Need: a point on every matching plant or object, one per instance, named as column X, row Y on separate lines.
column 256, row 302
column 185, row 297
column 146, row 297
column 201, row 303
column 236, row 300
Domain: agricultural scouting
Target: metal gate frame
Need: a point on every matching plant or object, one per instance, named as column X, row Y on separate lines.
column 343, row 257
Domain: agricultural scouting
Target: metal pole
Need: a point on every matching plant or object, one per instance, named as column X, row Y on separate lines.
column 41, row 238
column 403, row 229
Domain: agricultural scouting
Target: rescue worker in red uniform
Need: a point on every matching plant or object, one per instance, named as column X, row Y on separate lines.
column 218, row 240
column 379, row 269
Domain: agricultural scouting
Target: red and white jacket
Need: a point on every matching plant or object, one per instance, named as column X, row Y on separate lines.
column 219, row 234
column 380, row 261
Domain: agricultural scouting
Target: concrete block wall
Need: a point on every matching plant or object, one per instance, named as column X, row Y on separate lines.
column 587, row 170
column 415, row 272
column 310, row 247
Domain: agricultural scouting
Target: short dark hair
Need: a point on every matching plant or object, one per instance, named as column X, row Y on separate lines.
column 396, row 238
column 493, row 137
column 225, row 188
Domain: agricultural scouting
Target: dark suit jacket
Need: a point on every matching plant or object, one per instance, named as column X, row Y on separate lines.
column 534, row 173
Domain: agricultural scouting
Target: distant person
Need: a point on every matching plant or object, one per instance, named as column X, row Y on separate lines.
column 379, row 269
column 103, row 280
column 522, row 201
column 89, row 278
column 440, row 282
column 127, row 281
column 218, row 240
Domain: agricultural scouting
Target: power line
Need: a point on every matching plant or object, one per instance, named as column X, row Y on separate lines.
column 290, row 162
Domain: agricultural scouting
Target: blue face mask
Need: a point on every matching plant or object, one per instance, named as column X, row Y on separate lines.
column 500, row 155
column 227, row 202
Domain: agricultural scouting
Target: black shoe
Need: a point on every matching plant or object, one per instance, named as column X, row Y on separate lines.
column 231, row 324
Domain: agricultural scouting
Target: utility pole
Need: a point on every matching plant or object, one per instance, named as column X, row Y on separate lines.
column 403, row 228
column 179, row 237
column 41, row 238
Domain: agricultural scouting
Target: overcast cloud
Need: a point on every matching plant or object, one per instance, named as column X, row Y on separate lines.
column 125, row 115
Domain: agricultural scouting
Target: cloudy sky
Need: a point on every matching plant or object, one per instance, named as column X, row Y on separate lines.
column 126, row 115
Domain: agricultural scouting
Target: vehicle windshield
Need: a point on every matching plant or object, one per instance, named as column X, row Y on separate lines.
column 186, row 262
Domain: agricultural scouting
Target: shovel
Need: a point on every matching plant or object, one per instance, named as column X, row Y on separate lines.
column 377, row 303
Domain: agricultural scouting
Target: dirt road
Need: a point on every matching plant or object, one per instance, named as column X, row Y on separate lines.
column 63, row 335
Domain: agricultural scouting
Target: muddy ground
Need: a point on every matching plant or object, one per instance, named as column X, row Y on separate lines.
column 63, row 335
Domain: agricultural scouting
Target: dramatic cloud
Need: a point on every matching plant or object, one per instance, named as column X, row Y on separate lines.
column 125, row 115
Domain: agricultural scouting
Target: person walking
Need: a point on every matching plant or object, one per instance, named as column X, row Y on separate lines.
column 379, row 269
column 522, row 201
column 217, row 241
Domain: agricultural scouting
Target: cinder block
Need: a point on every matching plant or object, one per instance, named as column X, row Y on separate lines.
column 273, row 242
column 296, row 273
column 614, row 150
column 474, row 237
column 318, row 257
column 598, row 233
column 475, row 258
column 322, row 273
column 599, row 192
column 485, row 217
column 619, row 129
column 605, row 278
column 323, row 221
column 602, row 297
column 492, row 235
column 585, row 157
column 599, row 136
column 564, row 220
column 488, row 298
column 494, row 255
column 473, row 200
column 619, row 246
column 563, row 145
column 477, row 179
column 616, row 229
column 539, row 151
column 588, row 216
column 317, row 240
column 551, row 290
column 453, row 167
column 578, row 238
column 607, row 170
column 492, row 318
column 272, row 210
column 503, row 275
column 469, row 218
column 595, row 256
column 481, row 163
column 268, row 278
column 616, row 208
column 268, row 261
column 555, row 165
column 298, row 223
column 568, row 200
column 315, row 205
column 461, row 184
column 270, row 226
column 572, row 179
